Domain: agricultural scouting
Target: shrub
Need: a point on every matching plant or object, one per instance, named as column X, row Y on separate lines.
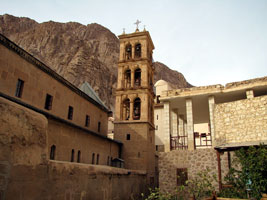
column 252, row 175
column 156, row 194
column 201, row 185
column 197, row 187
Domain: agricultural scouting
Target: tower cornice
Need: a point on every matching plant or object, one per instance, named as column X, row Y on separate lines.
column 137, row 35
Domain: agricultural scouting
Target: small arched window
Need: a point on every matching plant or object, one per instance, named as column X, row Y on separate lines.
column 151, row 112
column 137, row 109
column 52, row 152
column 108, row 161
column 127, row 78
column 137, row 77
column 72, row 156
column 137, row 51
column 99, row 127
column 126, row 109
column 79, row 156
column 128, row 51
column 97, row 159
column 93, row 158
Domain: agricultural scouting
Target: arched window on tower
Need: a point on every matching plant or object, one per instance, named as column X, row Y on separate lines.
column 137, row 77
column 128, row 51
column 137, row 109
column 137, row 51
column 127, row 78
column 53, row 152
column 126, row 109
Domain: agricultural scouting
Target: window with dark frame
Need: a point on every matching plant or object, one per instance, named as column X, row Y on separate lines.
column 137, row 109
column 53, row 152
column 87, row 121
column 99, row 126
column 127, row 77
column 126, row 109
column 137, row 77
column 72, row 156
column 48, row 102
column 128, row 136
column 128, row 51
column 79, row 156
column 182, row 176
column 19, row 88
column 97, row 159
column 93, row 158
column 158, row 96
column 151, row 180
column 137, row 50
column 70, row 113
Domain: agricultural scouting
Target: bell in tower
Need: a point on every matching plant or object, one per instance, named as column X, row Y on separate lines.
column 134, row 125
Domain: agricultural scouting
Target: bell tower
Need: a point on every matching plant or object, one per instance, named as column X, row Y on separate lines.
column 134, row 115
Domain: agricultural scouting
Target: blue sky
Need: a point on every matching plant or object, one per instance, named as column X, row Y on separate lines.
column 209, row 41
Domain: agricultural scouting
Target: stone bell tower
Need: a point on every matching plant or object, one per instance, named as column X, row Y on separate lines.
column 134, row 115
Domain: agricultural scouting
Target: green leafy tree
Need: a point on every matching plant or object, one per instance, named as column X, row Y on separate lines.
column 251, row 175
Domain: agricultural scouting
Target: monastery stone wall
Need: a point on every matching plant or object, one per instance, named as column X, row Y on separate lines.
column 195, row 161
column 37, row 84
column 241, row 121
column 66, row 138
column 27, row 173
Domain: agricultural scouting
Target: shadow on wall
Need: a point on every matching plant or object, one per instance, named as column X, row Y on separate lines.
column 138, row 150
column 26, row 172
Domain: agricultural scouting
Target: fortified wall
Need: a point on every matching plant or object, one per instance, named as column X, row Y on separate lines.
column 27, row 173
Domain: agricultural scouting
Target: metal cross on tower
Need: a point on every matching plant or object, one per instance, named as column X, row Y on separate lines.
column 137, row 24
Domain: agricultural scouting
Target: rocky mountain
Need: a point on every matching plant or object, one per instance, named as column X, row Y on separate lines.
column 77, row 52
column 176, row 79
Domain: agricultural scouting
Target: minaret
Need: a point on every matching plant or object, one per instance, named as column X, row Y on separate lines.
column 134, row 115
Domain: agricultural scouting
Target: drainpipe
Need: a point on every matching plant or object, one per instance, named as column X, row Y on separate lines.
column 219, row 170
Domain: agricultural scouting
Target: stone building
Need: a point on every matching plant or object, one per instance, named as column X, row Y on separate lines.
column 134, row 121
column 233, row 116
column 201, row 129
column 53, row 136
column 160, row 86
column 77, row 120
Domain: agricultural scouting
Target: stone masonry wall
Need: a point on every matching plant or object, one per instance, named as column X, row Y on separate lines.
column 59, row 180
column 241, row 121
column 195, row 162
column 26, row 172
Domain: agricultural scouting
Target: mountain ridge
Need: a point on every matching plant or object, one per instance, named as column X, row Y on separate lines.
column 79, row 53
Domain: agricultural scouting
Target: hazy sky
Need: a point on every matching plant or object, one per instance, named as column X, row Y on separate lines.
column 209, row 41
